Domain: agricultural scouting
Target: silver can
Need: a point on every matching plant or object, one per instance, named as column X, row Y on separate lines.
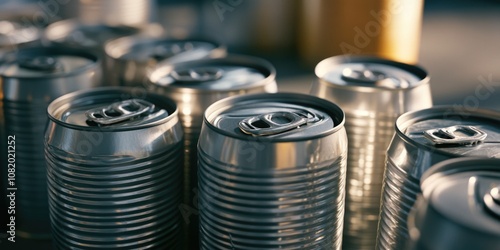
column 114, row 167
column 15, row 35
column 459, row 208
column 29, row 80
column 373, row 92
column 195, row 86
column 132, row 59
column 424, row 138
column 272, row 173
column 76, row 35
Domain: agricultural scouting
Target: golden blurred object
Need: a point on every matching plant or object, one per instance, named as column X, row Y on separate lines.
column 385, row 28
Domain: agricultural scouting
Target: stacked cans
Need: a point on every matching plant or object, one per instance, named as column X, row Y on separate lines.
column 114, row 166
column 423, row 138
column 194, row 86
column 459, row 208
column 272, row 173
column 134, row 58
column 372, row 92
column 29, row 80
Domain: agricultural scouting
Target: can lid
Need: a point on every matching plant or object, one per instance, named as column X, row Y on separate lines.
column 221, row 74
column 466, row 191
column 111, row 109
column 453, row 131
column 371, row 72
column 74, row 34
column 45, row 62
column 275, row 117
column 13, row 33
column 143, row 49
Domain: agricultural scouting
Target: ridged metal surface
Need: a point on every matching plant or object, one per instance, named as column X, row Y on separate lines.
column 300, row 209
column 130, row 205
column 368, row 137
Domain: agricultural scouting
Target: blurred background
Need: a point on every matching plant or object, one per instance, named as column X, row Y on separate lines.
column 455, row 40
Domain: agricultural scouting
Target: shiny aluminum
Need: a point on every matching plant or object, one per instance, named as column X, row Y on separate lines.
column 459, row 208
column 372, row 92
column 133, row 58
column 114, row 183
column 15, row 35
column 412, row 151
column 29, row 79
column 94, row 37
column 280, row 190
column 195, row 86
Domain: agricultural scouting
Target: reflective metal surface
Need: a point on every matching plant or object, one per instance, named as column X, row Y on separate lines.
column 195, row 86
column 93, row 37
column 29, row 80
column 133, row 58
column 14, row 35
column 372, row 92
column 460, row 200
column 411, row 153
column 115, row 185
column 272, row 191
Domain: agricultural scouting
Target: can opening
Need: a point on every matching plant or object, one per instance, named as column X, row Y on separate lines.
column 119, row 112
column 40, row 63
column 276, row 122
column 455, row 135
column 201, row 74
column 377, row 78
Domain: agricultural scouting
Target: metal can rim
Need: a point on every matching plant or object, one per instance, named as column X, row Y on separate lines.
column 251, row 61
column 65, row 100
column 415, row 69
column 302, row 98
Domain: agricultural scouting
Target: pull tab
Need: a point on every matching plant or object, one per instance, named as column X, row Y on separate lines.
column 163, row 51
column 456, row 135
column 119, row 111
column 197, row 74
column 492, row 200
column 373, row 77
column 275, row 123
column 40, row 63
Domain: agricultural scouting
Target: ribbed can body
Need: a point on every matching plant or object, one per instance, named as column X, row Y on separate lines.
column 371, row 106
column 114, row 186
column 27, row 93
column 411, row 153
column 258, row 192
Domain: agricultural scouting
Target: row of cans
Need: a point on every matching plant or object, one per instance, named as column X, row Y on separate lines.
column 258, row 171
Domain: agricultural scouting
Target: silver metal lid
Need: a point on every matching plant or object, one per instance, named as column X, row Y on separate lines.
column 143, row 49
column 371, row 72
column 13, row 33
column 275, row 117
column 45, row 62
column 73, row 34
column 111, row 109
column 452, row 131
column 222, row 74
column 465, row 191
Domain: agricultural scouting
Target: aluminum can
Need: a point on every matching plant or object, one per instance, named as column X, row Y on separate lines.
column 459, row 208
column 114, row 166
column 373, row 92
column 29, row 79
column 112, row 12
column 424, row 138
column 272, row 173
column 14, row 35
column 132, row 59
column 73, row 34
column 195, row 86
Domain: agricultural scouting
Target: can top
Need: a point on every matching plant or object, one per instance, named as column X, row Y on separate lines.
column 220, row 74
column 45, row 62
column 71, row 33
column 453, row 131
column 466, row 191
column 274, row 117
column 369, row 72
column 111, row 108
column 13, row 33
column 142, row 49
